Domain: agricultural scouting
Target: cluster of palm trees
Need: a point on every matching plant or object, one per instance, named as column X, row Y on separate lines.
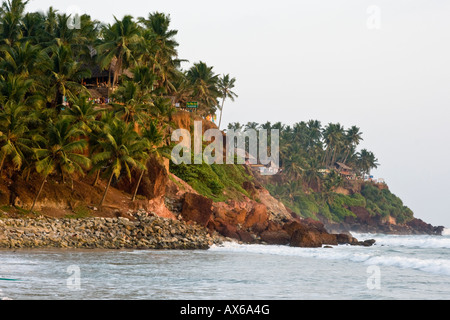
column 48, row 124
column 309, row 151
column 46, row 49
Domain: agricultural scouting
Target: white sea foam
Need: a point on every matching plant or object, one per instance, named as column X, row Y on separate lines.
column 412, row 241
column 446, row 232
column 437, row 266
column 368, row 256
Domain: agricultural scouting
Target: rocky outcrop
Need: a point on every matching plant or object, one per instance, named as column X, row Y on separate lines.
column 145, row 231
column 363, row 222
column 312, row 234
column 250, row 222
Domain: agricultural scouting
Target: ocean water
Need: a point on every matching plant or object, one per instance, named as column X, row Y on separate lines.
column 396, row 267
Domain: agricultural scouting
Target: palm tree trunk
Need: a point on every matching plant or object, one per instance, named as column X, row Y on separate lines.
column 221, row 110
column 346, row 156
column 118, row 70
column 109, row 78
column 39, row 192
column 138, row 184
column 325, row 158
column 106, row 189
column 333, row 158
column 96, row 178
column 1, row 164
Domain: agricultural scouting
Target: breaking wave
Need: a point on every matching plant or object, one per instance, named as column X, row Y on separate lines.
column 412, row 241
column 381, row 255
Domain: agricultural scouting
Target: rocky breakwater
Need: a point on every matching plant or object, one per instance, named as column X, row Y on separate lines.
column 143, row 232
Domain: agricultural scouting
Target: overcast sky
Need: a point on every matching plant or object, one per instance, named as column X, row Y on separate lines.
column 381, row 65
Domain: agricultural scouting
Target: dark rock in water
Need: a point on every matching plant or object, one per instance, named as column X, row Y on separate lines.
column 328, row 247
column 308, row 239
column 344, row 238
column 366, row 243
column 279, row 237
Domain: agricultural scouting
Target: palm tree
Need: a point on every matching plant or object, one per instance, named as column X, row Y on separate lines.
column 64, row 76
column 312, row 175
column 14, row 88
column 333, row 135
column 145, row 79
column 117, row 44
column 23, row 58
column 11, row 13
column 353, row 137
column 152, row 139
column 225, row 85
column 161, row 49
column 121, row 149
column 158, row 24
column 251, row 126
column 294, row 165
column 235, row 126
column 204, row 86
column 314, row 135
column 130, row 102
column 183, row 90
column 50, row 25
column 61, row 152
column 82, row 113
column 366, row 161
column 33, row 27
column 13, row 129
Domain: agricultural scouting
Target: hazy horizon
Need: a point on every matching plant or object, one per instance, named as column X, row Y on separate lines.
column 380, row 65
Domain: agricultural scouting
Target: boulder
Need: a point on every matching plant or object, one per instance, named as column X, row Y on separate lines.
column 229, row 214
column 328, row 238
column 257, row 215
column 197, row 208
column 229, row 231
column 308, row 239
column 344, row 238
column 367, row 243
column 293, row 226
column 279, row 237
column 245, row 236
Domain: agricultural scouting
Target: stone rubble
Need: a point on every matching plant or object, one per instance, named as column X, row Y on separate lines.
column 145, row 231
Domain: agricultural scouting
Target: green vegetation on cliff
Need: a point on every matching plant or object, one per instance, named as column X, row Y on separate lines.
column 336, row 207
column 385, row 203
column 217, row 182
